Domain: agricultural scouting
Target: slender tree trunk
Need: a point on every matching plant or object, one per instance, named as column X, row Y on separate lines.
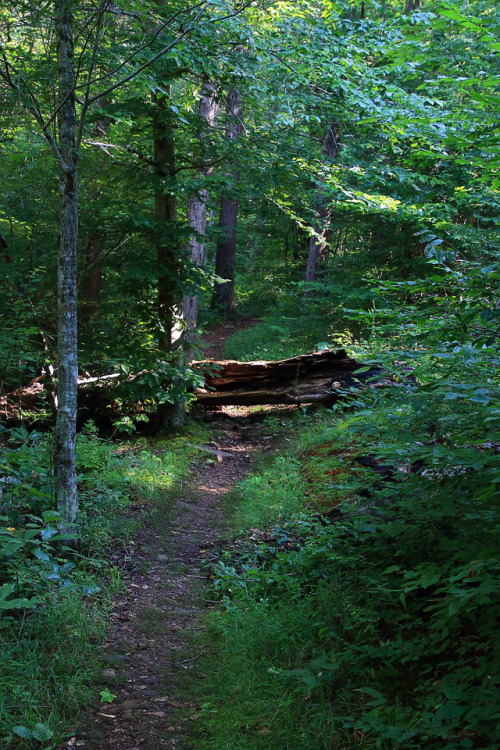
column 197, row 216
column 171, row 415
column 318, row 248
column 226, row 255
column 226, row 245
column 65, row 430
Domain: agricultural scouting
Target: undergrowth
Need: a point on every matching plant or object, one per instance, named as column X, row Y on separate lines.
column 361, row 611
column 54, row 601
column 359, row 597
column 322, row 322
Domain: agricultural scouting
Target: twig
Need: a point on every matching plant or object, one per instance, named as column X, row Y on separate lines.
column 147, row 64
column 187, row 661
column 232, row 15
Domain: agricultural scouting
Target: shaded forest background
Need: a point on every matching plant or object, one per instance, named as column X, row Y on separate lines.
column 330, row 171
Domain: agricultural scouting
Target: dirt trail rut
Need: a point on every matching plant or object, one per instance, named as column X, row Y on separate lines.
column 151, row 661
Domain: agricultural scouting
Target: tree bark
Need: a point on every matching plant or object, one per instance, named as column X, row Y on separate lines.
column 223, row 297
column 65, row 430
column 318, row 246
column 197, row 217
column 226, row 255
column 171, row 415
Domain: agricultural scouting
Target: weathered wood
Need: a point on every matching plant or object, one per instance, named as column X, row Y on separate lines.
column 228, row 374
column 263, row 398
column 320, row 377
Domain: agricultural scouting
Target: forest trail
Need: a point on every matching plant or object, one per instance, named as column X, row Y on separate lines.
column 151, row 665
column 152, row 662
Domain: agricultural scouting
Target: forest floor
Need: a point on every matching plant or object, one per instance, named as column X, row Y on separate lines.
column 152, row 657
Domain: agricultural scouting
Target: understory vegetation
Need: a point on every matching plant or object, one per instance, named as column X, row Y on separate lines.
column 55, row 599
column 359, row 598
column 322, row 175
column 359, row 587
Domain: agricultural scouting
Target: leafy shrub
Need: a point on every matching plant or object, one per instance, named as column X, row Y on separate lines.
column 374, row 622
column 52, row 599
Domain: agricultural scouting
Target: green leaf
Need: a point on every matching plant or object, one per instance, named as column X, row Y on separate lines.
column 23, row 732
column 379, row 698
column 42, row 733
column 450, row 711
column 306, row 676
column 107, row 696
column 48, row 532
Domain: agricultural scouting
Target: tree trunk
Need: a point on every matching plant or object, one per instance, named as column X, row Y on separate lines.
column 197, row 216
column 223, row 297
column 226, row 255
column 318, row 246
column 171, row 416
column 65, row 430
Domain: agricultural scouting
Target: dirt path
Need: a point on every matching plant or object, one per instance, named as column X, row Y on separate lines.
column 150, row 664
column 151, row 655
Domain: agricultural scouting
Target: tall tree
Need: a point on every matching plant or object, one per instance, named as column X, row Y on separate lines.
column 318, row 245
column 65, row 431
column 197, row 210
column 138, row 55
column 223, row 297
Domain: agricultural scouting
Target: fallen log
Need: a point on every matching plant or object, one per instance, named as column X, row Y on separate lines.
column 319, row 377
column 263, row 398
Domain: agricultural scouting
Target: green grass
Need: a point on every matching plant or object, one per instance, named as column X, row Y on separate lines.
column 271, row 495
column 48, row 663
column 293, row 325
column 278, row 338
column 51, row 653
column 248, row 706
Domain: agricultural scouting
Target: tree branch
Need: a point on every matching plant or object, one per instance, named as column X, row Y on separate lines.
column 311, row 86
column 147, row 44
column 145, row 65
column 91, row 70
column 115, row 70
column 100, row 15
column 34, row 108
column 233, row 15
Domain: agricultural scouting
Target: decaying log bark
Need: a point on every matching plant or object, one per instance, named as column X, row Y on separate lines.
column 310, row 378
